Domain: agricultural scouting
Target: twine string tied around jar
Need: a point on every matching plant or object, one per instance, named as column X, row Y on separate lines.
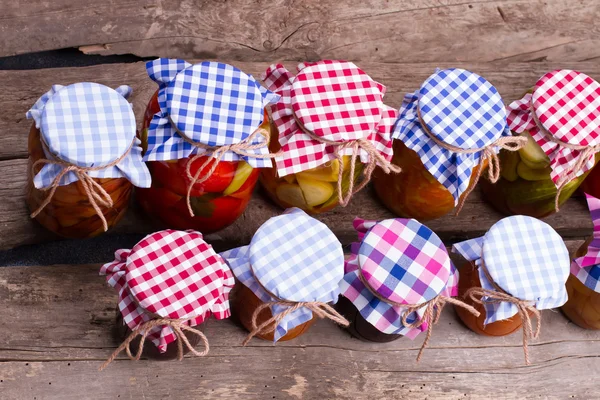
column 585, row 152
column 524, row 307
column 375, row 159
column 241, row 148
column 96, row 194
column 432, row 313
column 488, row 153
column 177, row 325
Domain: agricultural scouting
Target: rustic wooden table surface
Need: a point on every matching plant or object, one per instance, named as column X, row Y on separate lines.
column 57, row 320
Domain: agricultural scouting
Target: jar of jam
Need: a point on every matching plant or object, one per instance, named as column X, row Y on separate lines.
column 396, row 281
column 84, row 159
column 292, row 259
column 169, row 284
column 583, row 285
column 205, row 134
column 330, row 129
column 562, row 142
column 447, row 134
column 516, row 269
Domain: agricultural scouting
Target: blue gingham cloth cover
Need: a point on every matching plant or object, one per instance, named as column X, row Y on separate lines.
column 459, row 108
column 404, row 261
column 295, row 257
column 587, row 268
column 211, row 103
column 89, row 125
column 526, row 258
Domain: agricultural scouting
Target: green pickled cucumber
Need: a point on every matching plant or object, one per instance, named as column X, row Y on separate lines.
column 532, row 174
column 508, row 165
column 532, row 154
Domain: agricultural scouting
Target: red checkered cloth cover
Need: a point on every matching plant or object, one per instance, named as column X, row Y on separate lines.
column 170, row 274
column 337, row 102
column 567, row 105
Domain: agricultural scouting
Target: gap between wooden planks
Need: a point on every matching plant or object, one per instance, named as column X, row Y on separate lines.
column 58, row 323
column 22, row 88
column 373, row 30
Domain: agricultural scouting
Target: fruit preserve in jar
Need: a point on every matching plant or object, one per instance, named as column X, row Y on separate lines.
column 287, row 277
column 205, row 134
column 396, row 281
column 448, row 133
column 84, row 159
column 169, row 285
column 330, row 129
column 516, row 269
column 562, row 145
column 583, row 285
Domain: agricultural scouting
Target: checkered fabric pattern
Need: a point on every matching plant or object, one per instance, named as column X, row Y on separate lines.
column 526, row 258
column 405, row 262
column 459, row 108
column 336, row 101
column 567, row 104
column 587, row 268
column 295, row 257
column 171, row 274
column 88, row 125
column 211, row 103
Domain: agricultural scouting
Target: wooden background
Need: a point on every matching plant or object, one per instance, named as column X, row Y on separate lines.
column 57, row 320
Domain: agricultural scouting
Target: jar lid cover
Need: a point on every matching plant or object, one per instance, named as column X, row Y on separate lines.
column 170, row 274
column 587, row 267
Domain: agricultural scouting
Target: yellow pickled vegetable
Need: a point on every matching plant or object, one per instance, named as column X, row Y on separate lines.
column 532, row 154
column 531, row 174
column 291, row 194
column 509, row 160
column 242, row 173
column 327, row 173
column 315, row 192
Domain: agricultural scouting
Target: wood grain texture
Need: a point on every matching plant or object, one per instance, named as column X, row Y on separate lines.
column 22, row 88
column 61, row 320
column 261, row 30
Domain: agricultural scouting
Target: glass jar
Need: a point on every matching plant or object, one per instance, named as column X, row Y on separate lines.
column 469, row 278
column 414, row 192
column 313, row 190
column 591, row 184
column 243, row 305
column 583, row 305
column 69, row 212
column 217, row 202
column 525, row 186
column 359, row 327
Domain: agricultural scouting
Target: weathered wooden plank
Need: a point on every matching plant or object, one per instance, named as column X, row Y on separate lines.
column 374, row 30
column 61, row 319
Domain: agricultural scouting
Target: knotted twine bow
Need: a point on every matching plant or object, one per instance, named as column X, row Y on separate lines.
column 510, row 143
column 178, row 326
column 431, row 315
column 375, row 158
column 318, row 308
column 217, row 152
column 499, row 295
column 585, row 152
column 96, row 194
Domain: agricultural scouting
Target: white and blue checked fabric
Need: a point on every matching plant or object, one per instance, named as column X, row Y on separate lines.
column 211, row 103
column 88, row 125
column 459, row 108
column 295, row 257
column 526, row 258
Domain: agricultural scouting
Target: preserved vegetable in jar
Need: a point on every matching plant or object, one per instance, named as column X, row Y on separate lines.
column 583, row 285
column 516, row 269
column 286, row 283
column 397, row 280
column 84, row 159
column 205, row 135
column 169, row 284
column 447, row 135
column 330, row 129
column 562, row 145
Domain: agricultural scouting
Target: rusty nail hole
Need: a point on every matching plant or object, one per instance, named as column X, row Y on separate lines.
column 68, row 364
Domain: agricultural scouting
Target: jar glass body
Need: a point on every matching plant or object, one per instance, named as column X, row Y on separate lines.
column 217, row 202
column 469, row 278
column 313, row 190
column 414, row 192
column 243, row 305
column 150, row 349
column 591, row 184
column 359, row 327
column 583, row 305
column 69, row 212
